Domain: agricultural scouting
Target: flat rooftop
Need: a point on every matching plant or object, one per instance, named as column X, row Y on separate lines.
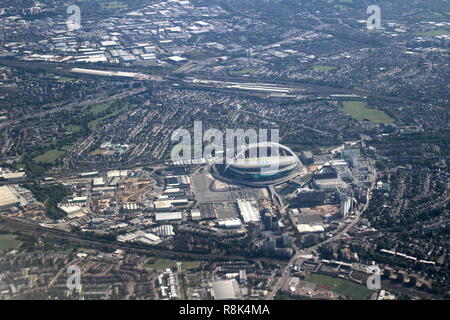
column 7, row 197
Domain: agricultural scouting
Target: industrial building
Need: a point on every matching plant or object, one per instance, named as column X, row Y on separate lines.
column 139, row 236
column 163, row 231
column 249, row 211
column 330, row 185
column 229, row 223
column 164, row 204
column 120, row 74
column 196, row 214
column 117, row 173
column 73, row 211
column 98, row 182
column 12, row 175
column 8, row 199
column 81, row 200
column 226, row 290
column 168, row 216
column 177, row 181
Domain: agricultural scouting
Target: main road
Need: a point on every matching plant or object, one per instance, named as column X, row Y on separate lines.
column 282, row 281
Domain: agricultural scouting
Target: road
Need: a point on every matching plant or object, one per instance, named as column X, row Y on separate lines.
column 282, row 281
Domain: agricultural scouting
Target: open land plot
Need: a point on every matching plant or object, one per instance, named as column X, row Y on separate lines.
column 359, row 111
column 340, row 286
column 162, row 264
column 50, row 156
column 8, row 242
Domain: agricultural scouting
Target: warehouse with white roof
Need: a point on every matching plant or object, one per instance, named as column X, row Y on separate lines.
column 168, row 216
column 226, row 290
column 7, row 198
column 249, row 211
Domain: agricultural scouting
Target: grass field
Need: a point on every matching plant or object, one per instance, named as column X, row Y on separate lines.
column 340, row 286
column 324, row 68
column 430, row 15
column 306, row 178
column 432, row 33
column 244, row 71
column 99, row 108
column 94, row 124
column 74, row 128
column 8, row 242
column 67, row 147
column 113, row 5
column 358, row 110
column 161, row 264
column 50, row 156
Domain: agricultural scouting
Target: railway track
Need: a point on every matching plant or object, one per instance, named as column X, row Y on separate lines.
column 60, row 236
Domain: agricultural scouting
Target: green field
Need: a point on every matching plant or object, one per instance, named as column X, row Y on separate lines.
column 74, row 128
column 8, row 242
column 50, row 156
column 323, row 68
column 306, row 178
column 340, row 286
column 94, row 123
column 359, row 111
column 432, row 33
column 161, row 264
column 243, row 71
column 98, row 112
column 99, row 108
column 430, row 15
column 113, row 5
column 67, row 147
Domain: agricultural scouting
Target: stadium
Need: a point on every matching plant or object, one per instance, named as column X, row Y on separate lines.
column 260, row 164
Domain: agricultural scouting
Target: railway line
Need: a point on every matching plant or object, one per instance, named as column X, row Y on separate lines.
column 50, row 234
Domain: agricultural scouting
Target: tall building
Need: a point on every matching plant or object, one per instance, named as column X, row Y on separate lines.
column 268, row 220
column 346, row 206
column 350, row 154
column 307, row 157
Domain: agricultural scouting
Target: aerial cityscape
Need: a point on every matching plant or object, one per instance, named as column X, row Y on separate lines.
column 249, row 150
